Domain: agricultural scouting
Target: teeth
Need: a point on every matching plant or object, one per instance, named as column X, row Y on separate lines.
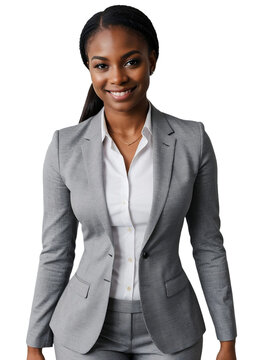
column 120, row 93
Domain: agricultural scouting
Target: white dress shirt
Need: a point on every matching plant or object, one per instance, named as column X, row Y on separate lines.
column 129, row 200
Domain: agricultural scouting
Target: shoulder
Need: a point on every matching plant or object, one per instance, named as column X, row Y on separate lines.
column 186, row 128
column 67, row 140
column 75, row 130
column 192, row 135
column 71, row 135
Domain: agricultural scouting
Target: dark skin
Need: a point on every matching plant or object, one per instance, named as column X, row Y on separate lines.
column 124, row 119
column 34, row 353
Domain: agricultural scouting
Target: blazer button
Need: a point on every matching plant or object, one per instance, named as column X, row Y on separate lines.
column 145, row 254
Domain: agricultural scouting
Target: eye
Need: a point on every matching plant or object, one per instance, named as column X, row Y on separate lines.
column 137, row 61
column 97, row 66
column 132, row 62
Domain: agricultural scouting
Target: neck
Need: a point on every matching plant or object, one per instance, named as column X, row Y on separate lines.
column 126, row 123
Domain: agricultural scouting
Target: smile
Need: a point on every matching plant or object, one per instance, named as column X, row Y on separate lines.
column 121, row 95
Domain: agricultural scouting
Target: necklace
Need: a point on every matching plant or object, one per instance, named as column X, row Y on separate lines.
column 124, row 141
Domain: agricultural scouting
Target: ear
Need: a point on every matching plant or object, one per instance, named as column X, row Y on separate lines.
column 152, row 61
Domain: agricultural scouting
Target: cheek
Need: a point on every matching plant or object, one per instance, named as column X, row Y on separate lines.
column 95, row 86
column 144, row 80
column 97, row 79
column 142, row 77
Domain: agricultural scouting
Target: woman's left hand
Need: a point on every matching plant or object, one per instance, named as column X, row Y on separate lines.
column 227, row 351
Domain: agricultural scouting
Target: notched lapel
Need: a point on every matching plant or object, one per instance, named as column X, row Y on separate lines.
column 93, row 161
column 163, row 157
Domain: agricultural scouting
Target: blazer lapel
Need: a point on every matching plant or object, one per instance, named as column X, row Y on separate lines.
column 92, row 149
column 163, row 155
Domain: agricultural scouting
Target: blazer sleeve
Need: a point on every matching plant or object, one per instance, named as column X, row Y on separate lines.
column 208, row 244
column 59, row 231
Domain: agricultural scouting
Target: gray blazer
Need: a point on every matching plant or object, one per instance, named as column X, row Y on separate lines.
column 185, row 186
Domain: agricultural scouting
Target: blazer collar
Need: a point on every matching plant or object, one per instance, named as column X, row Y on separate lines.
column 163, row 156
column 94, row 128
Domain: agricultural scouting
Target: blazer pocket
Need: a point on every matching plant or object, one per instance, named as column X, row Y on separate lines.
column 176, row 284
column 80, row 286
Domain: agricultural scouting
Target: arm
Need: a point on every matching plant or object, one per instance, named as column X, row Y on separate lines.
column 207, row 242
column 59, row 231
column 34, row 353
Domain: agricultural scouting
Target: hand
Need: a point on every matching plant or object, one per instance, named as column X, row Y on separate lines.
column 227, row 350
column 34, row 353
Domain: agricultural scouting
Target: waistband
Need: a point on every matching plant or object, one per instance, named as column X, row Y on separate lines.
column 126, row 306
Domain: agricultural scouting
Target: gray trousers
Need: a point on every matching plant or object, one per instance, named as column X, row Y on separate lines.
column 125, row 336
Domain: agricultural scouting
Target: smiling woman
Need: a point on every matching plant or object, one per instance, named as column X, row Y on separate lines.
column 121, row 71
column 130, row 174
column 120, row 52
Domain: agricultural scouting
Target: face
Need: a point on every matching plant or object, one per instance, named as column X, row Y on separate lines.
column 119, row 60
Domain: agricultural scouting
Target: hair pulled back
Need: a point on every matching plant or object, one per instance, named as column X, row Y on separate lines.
column 122, row 15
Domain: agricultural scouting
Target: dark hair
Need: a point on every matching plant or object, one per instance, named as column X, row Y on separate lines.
column 122, row 15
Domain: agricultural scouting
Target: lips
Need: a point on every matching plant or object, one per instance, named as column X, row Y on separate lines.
column 122, row 91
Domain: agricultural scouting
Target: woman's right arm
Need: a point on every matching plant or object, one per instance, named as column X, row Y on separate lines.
column 59, row 231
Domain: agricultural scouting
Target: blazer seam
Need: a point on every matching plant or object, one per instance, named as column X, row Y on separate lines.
column 201, row 141
column 58, row 156
column 70, row 207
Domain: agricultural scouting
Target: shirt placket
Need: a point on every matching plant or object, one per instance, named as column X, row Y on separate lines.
column 129, row 232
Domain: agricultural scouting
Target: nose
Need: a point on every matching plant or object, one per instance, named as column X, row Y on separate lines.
column 118, row 75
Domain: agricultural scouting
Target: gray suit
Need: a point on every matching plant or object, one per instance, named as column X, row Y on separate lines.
column 185, row 186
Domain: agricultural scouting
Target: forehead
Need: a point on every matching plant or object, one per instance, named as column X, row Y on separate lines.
column 114, row 40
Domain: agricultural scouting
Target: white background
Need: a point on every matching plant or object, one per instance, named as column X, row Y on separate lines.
column 213, row 67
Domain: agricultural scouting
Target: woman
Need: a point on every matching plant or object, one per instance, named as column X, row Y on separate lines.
column 129, row 174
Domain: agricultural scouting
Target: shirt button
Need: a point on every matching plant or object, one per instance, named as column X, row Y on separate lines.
column 124, row 202
column 129, row 288
column 130, row 259
column 129, row 229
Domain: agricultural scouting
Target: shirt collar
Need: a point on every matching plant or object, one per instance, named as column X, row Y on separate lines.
column 147, row 124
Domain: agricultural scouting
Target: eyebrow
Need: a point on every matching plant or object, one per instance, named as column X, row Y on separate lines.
column 122, row 57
